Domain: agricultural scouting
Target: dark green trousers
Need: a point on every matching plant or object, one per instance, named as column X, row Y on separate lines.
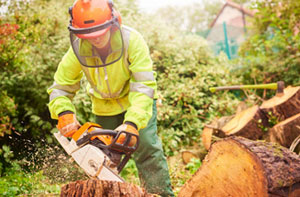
column 149, row 157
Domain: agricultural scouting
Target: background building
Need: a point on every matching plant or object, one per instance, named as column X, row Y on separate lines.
column 229, row 28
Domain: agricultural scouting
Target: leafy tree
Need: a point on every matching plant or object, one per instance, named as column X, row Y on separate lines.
column 32, row 44
column 272, row 52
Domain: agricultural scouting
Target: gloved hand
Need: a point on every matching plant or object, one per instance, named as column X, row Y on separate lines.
column 67, row 124
column 130, row 128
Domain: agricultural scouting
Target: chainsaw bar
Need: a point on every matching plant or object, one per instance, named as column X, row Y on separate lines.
column 90, row 158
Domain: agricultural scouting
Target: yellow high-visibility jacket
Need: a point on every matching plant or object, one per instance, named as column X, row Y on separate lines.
column 127, row 85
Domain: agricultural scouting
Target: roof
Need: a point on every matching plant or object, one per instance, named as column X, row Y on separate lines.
column 236, row 6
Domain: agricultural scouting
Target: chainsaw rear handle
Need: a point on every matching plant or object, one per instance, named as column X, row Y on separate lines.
column 125, row 148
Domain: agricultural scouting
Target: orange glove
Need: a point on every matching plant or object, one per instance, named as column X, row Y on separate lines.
column 130, row 129
column 67, row 124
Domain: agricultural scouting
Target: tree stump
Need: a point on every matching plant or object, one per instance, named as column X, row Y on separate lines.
column 95, row 187
column 285, row 132
column 249, row 123
column 283, row 107
column 239, row 167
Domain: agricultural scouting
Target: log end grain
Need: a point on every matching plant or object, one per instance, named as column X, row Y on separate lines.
column 278, row 100
column 237, row 166
column 281, row 108
column 207, row 137
column 285, row 132
column 228, row 170
column 249, row 124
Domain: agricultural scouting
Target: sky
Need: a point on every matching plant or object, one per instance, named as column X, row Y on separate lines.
column 153, row 5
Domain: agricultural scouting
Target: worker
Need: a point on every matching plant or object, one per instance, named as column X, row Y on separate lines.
column 121, row 84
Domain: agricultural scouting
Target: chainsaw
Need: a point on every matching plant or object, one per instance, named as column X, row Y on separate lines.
column 97, row 151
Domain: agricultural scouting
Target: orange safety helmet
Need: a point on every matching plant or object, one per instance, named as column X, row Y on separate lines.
column 93, row 18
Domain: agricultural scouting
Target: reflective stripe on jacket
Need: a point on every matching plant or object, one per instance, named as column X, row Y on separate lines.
column 127, row 85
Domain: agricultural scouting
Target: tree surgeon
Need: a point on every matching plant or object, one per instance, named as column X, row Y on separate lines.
column 121, row 84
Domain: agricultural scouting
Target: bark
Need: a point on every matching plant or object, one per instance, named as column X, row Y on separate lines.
column 285, row 132
column 95, row 187
column 283, row 107
column 239, row 167
column 249, row 123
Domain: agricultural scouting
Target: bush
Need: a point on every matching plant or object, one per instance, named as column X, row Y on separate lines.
column 186, row 69
column 272, row 52
column 16, row 182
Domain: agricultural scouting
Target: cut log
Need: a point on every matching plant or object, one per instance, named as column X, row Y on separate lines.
column 212, row 129
column 285, row 132
column 249, row 123
column 95, row 187
column 207, row 134
column 187, row 156
column 198, row 152
column 239, row 167
column 283, row 107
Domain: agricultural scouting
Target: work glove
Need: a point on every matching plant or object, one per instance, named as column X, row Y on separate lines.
column 67, row 123
column 130, row 128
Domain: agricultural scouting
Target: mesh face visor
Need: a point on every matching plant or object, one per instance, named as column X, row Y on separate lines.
column 87, row 54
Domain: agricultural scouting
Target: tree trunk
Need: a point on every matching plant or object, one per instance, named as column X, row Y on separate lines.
column 280, row 108
column 95, row 187
column 239, row 167
column 249, row 124
column 285, row 132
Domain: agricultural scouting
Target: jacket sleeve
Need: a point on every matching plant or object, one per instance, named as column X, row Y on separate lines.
column 66, row 83
column 143, row 85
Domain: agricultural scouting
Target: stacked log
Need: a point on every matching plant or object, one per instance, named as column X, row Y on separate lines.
column 237, row 167
column 251, row 119
column 95, row 187
column 283, row 107
column 276, row 120
column 286, row 131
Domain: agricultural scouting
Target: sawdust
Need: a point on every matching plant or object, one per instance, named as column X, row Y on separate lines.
column 52, row 160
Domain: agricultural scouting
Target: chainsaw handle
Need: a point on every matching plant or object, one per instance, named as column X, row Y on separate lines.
column 86, row 138
column 125, row 147
column 114, row 145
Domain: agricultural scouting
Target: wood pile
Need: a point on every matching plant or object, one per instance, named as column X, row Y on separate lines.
column 257, row 122
column 251, row 152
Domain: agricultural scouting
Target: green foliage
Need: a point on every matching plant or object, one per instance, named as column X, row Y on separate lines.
column 272, row 52
column 32, row 44
column 186, row 69
column 7, row 108
column 193, row 165
column 16, row 182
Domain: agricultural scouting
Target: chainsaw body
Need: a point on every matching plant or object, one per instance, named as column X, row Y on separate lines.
column 97, row 152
